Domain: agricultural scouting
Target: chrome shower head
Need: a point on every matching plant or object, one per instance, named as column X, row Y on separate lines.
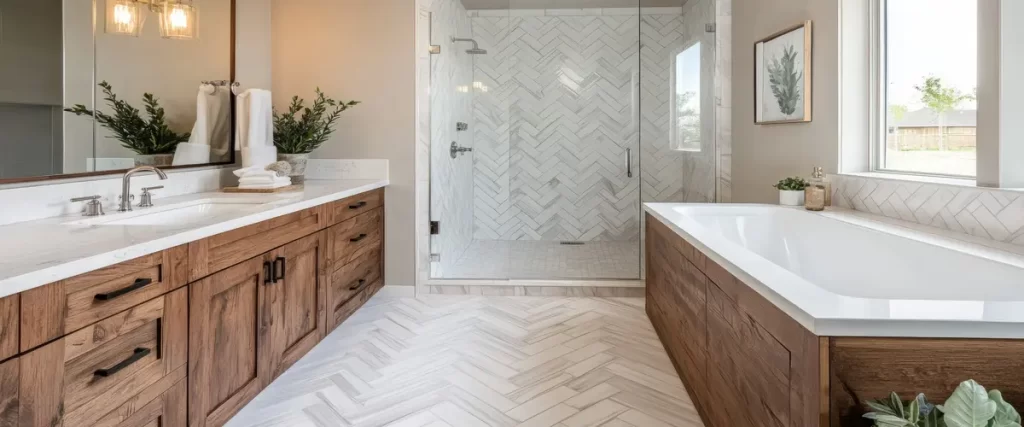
column 475, row 50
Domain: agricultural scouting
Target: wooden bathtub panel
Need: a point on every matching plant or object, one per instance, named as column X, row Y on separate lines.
column 753, row 365
column 870, row 368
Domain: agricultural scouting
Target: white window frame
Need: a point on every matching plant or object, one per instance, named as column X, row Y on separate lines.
column 879, row 100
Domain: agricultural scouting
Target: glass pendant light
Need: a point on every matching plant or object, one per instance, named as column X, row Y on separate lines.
column 179, row 20
column 124, row 17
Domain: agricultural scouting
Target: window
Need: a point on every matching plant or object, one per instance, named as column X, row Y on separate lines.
column 930, row 75
column 685, row 132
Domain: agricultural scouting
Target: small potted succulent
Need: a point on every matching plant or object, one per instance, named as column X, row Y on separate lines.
column 152, row 140
column 791, row 191
column 303, row 129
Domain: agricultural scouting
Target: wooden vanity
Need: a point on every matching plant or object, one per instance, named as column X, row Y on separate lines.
column 746, row 363
column 188, row 335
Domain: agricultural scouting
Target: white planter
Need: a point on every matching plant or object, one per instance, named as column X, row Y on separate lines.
column 791, row 198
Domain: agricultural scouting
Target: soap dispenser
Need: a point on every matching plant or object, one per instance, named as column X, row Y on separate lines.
column 818, row 178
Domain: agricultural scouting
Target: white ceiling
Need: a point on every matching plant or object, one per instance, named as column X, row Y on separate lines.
column 566, row 4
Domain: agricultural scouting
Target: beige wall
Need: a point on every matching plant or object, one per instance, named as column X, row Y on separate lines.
column 764, row 154
column 363, row 50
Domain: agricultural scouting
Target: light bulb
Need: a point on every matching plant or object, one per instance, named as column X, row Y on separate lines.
column 178, row 19
column 122, row 15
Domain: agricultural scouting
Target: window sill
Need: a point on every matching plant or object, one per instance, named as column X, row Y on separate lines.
column 954, row 182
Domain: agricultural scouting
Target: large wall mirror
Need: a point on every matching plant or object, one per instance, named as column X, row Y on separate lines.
column 89, row 87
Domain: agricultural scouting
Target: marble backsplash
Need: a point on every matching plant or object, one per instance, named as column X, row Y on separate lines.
column 983, row 213
column 27, row 202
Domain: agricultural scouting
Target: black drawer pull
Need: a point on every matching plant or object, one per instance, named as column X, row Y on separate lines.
column 357, row 205
column 356, row 239
column 139, row 284
column 358, row 285
column 138, row 355
column 268, row 273
column 279, row 274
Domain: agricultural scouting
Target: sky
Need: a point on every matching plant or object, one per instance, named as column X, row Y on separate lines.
column 931, row 38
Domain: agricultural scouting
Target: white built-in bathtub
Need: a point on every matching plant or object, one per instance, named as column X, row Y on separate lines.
column 840, row 274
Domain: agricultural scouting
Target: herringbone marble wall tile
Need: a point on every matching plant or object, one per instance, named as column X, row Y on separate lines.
column 555, row 109
column 981, row 212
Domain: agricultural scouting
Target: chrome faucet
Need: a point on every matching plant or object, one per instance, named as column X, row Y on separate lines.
column 126, row 185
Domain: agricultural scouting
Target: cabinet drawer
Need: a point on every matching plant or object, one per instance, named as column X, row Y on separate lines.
column 51, row 311
column 340, row 313
column 345, row 209
column 88, row 375
column 355, row 276
column 213, row 254
column 162, row 405
column 350, row 239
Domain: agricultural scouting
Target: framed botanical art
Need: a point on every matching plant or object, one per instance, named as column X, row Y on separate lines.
column 782, row 76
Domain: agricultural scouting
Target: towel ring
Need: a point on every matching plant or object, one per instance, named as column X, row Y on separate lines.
column 219, row 83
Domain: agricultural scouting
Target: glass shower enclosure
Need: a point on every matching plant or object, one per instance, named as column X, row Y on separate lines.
column 550, row 127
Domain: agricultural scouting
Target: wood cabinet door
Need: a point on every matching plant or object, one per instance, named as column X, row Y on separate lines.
column 228, row 341
column 296, row 300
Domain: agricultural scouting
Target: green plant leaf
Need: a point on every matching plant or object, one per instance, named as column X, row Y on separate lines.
column 931, row 419
column 969, row 406
column 1005, row 416
column 303, row 129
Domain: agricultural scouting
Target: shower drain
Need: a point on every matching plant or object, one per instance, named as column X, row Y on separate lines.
column 566, row 243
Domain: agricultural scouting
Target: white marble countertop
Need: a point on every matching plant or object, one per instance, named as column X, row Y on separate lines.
column 875, row 303
column 40, row 252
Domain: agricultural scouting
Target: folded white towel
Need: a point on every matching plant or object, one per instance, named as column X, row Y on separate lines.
column 254, row 171
column 265, row 180
column 263, row 186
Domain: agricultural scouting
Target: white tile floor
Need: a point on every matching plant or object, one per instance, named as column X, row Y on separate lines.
column 530, row 259
column 444, row 361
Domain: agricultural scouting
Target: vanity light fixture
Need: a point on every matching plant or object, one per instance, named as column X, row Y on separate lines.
column 178, row 18
column 124, row 17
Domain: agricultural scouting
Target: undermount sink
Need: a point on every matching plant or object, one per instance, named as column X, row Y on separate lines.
column 176, row 214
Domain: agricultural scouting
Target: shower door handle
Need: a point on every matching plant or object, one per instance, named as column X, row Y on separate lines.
column 629, row 163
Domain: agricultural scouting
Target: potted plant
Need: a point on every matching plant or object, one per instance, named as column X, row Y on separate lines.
column 152, row 140
column 791, row 191
column 969, row 406
column 296, row 136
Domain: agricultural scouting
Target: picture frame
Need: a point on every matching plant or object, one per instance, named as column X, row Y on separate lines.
column 782, row 76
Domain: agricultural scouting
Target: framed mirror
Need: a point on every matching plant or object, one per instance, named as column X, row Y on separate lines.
column 93, row 87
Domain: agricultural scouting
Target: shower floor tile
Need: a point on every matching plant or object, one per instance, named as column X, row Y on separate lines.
column 528, row 259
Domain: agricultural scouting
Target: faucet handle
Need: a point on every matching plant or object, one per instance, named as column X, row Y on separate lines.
column 93, row 207
column 147, row 197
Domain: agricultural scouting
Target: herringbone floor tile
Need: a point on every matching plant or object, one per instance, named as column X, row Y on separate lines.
column 482, row 361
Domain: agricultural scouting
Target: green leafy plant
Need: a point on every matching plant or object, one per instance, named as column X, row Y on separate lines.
column 785, row 80
column 794, row 183
column 295, row 134
column 135, row 133
column 969, row 406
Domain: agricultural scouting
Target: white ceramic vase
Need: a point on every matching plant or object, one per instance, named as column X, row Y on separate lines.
column 791, row 198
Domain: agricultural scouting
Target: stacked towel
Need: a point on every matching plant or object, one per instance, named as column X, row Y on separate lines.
column 264, row 182
column 261, row 178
